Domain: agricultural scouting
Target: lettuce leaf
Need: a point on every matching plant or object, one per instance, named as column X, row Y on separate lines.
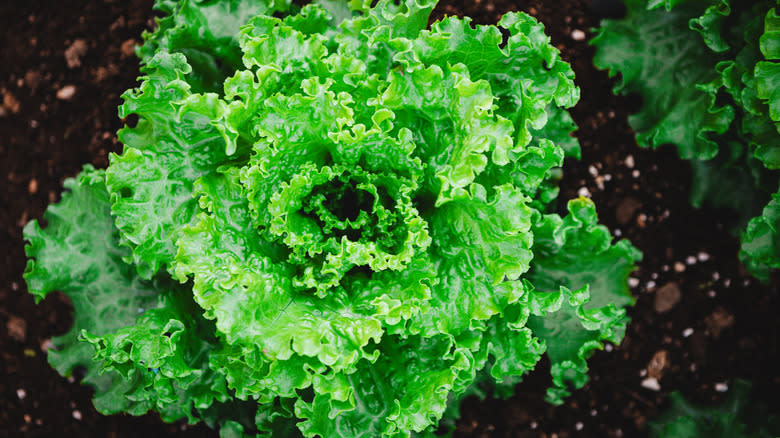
column 715, row 99
column 658, row 58
column 738, row 415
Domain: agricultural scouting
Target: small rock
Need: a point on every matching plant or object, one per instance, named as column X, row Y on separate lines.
column 17, row 328
column 651, row 383
column 74, row 53
column 11, row 103
column 128, row 48
column 32, row 187
column 657, row 365
column 102, row 73
column 687, row 332
column 77, row 414
column 118, row 24
column 629, row 161
column 666, row 297
column 599, row 182
column 641, row 220
column 627, row 209
column 67, row 92
column 21, row 393
column 32, row 78
column 679, row 267
column 721, row 387
column 577, row 35
column 46, row 344
column 719, row 320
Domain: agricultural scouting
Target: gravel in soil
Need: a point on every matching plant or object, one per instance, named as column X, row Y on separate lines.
column 699, row 322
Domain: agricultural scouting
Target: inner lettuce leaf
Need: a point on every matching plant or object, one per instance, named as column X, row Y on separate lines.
column 332, row 221
column 707, row 72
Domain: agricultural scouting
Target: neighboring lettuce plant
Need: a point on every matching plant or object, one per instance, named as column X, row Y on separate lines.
column 737, row 416
column 708, row 74
column 330, row 221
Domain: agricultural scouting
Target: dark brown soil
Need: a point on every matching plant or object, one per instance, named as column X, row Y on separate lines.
column 699, row 321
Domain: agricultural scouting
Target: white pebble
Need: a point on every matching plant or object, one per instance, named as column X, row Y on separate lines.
column 690, row 260
column 21, row 393
column 679, row 267
column 67, row 92
column 584, row 192
column 721, row 387
column 593, row 171
column 579, row 425
column 651, row 383
column 703, row 256
column 650, row 284
column 630, row 161
column 77, row 414
column 608, row 348
column 577, row 35
column 633, row 282
column 687, row 332
column 635, row 173
column 46, row 345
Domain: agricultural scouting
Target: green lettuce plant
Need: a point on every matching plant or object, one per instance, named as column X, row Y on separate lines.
column 739, row 415
column 331, row 221
column 708, row 73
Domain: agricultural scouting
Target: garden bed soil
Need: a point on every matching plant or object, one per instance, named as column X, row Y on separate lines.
column 699, row 321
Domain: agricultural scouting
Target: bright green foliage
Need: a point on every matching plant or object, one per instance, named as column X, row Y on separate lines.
column 331, row 222
column 737, row 416
column 707, row 72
